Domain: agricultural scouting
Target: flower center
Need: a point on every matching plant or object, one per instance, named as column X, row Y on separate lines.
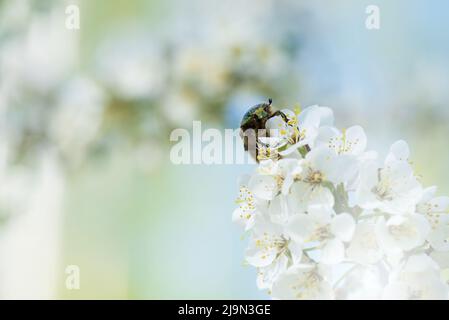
column 297, row 135
column 268, row 243
column 321, row 233
column 281, row 244
column 315, row 177
column 307, row 285
column 398, row 231
column 382, row 190
column 266, row 153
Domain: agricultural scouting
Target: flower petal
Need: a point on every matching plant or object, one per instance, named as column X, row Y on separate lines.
column 333, row 252
column 343, row 226
column 263, row 186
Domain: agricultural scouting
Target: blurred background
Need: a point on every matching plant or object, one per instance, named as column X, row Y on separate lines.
column 85, row 118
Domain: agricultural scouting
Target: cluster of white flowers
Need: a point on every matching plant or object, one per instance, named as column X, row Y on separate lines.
column 328, row 219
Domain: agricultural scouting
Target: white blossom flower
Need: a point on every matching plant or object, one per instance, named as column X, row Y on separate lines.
column 322, row 228
column 274, row 177
column 271, row 251
column 402, row 232
column 264, row 186
column 305, row 282
column 268, row 147
column 392, row 188
column 418, row 278
column 249, row 206
column 350, row 141
column 285, row 130
column 436, row 210
column 320, row 169
column 300, row 129
column 364, row 247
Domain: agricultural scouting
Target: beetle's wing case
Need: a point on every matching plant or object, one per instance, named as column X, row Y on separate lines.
column 248, row 116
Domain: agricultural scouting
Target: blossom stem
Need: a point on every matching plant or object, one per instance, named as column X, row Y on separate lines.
column 311, row 249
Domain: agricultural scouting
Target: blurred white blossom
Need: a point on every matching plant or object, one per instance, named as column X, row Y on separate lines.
column 131, row 66
column 77, row 119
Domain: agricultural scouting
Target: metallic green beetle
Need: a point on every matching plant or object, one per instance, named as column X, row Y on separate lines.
column 255, row 119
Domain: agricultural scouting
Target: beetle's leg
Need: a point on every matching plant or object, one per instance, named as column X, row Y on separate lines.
column 280, row 113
